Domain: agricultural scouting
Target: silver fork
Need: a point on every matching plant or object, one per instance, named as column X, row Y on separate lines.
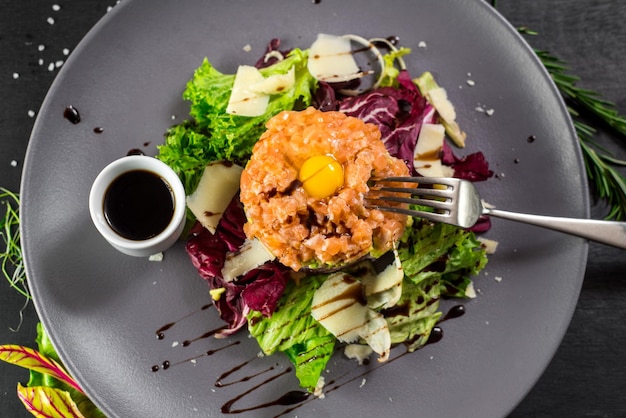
column 457, row 202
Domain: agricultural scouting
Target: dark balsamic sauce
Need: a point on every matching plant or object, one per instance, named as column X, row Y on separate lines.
column 295, row 398
column 456, row 311
column 207, row 334
column 436, row 335
column 227, row 408
column 138, row 205
column 393, row 40
column 135, row 151
column 98, row 130
column 160, row 333
column 531, row 138
column 71, row 113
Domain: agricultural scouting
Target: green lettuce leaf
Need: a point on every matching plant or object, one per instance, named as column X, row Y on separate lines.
column 467, row 258
column 212, row 134
column 292, row 330
column 390, row 71
column 438, row 261
column 416, row 313
column 425, row 245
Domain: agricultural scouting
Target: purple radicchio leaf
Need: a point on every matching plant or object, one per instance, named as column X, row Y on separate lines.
column 259, row 289
column 272, row 54
column 398, row 113
column 324, row 97
column 472, row 167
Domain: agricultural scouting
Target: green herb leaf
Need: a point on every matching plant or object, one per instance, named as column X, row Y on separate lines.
column 11, row 257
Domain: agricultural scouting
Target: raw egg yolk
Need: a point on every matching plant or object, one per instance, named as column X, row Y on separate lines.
column 321, row 176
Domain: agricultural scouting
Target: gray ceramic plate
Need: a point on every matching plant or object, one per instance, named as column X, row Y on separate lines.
column 103, row 309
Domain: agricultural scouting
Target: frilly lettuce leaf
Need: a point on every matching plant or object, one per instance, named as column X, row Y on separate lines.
column 212, row 134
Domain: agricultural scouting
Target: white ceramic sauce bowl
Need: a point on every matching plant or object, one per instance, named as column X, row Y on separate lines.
column 145, row 247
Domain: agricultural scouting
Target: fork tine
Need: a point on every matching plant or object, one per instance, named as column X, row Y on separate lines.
column 445, row 193
column 431, row 216
column 436, row 204
column 419, row 180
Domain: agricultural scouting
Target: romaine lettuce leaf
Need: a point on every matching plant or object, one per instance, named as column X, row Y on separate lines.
column 438, row 260
column 417, row 312
column 292, row 330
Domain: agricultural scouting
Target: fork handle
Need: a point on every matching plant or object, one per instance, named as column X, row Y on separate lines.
column 606, row 232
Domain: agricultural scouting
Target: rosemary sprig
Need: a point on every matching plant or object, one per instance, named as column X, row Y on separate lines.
column 11, row 261
column 585, row 99
column 609, row 184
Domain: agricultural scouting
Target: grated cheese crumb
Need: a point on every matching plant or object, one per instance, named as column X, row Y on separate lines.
column 31, row 113
column 156, row 257
column 470, row 291
column 247, row 48
column 66, row 51
column 13, row 163
column 16, row 76
column 498, row 279
column 318, row 391
column 363, row 382
column 471, row 83
column 50, row 21
column 422, row 44
column 56, row 7
column 175, row 344
column 41, row 47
